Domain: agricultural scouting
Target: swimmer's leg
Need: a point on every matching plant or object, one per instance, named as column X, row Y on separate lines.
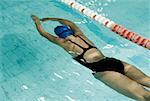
column 137, row 75
column 124, row 85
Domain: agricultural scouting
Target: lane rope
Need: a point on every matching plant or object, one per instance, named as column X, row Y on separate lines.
column 118, row 29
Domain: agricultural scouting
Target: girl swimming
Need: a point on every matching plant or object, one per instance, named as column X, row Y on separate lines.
column 119, row 75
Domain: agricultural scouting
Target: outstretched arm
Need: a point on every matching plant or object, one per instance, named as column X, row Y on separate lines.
column 72, row 25
column 45, row 34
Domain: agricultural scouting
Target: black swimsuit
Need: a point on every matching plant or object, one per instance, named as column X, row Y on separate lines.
column 105, row 64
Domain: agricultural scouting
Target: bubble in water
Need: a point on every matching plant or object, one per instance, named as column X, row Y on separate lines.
column 70, row 91
column 59, row 76
column 108, row 46
column 103, row 14
column 105, row 4
column 109, row 0
column 89, row 82
column 53, row 79
column 69, row 98
column 24, row 87
column 100, row 4
column 41, row 99
column 100, row 9
column 106, row 15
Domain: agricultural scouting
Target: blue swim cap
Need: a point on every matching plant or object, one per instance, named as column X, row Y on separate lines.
column 63, row 31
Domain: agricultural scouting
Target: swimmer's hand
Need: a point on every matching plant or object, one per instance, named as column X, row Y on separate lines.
column 35, row 19
column 38, row 25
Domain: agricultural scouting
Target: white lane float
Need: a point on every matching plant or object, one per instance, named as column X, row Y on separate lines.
column 118, row 29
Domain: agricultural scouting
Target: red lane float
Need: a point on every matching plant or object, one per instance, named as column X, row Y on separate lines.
column 120, row 30
column 131, row 36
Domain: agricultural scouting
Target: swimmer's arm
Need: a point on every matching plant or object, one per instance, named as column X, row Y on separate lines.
column 68, row 23
column 45, row 34
column 72, row 25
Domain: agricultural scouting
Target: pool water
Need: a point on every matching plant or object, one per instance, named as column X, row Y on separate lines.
column 34, row 69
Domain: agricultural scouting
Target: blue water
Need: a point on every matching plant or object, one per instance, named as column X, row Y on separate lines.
column 33, row 69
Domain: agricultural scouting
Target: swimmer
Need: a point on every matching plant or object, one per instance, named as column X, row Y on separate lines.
column 120, row 76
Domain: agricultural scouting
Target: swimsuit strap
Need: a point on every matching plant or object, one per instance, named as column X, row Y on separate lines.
column 80, row 57
column 85, row 41
column 89, row 46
